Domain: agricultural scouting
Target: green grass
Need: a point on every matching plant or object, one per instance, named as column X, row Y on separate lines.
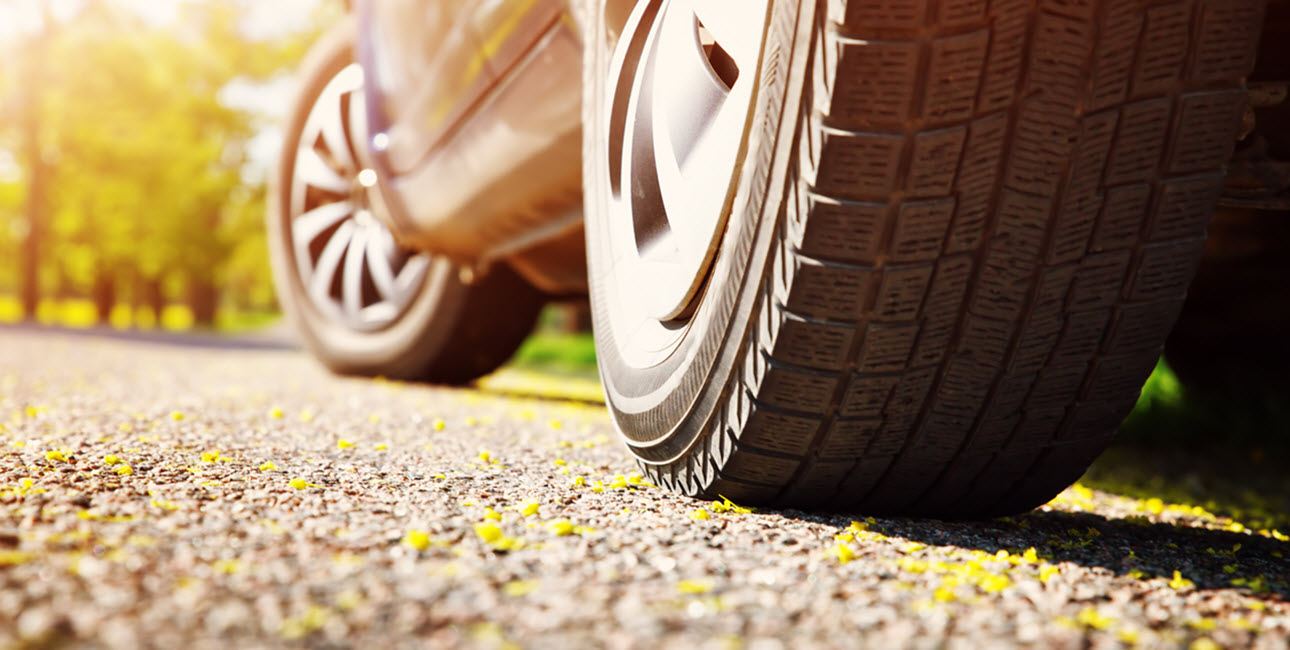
column 558, row 352
column 1251, row 415
column 230, row 321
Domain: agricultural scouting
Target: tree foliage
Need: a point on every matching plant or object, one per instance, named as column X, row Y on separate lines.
column 146, row 190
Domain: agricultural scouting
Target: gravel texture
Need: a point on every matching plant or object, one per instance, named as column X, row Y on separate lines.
column 194, row 494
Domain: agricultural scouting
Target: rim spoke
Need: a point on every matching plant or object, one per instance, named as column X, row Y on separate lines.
column 333, row 132
column 411, row 274
column 352, row 283
column 737, row 26
column 714, row 147
column 329, row 114
column 686, row 97
column 379, row 249
column 356, row 129
column 314, row 171
column 699, row 123
column 381, row 311
column 306, row 227
column 324, row 272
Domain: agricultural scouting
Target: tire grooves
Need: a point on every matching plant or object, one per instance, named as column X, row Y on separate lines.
column 978, row 265
column 1015, row 496
column 1032, row 292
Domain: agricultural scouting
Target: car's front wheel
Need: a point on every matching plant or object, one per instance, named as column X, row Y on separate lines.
column 910, row 256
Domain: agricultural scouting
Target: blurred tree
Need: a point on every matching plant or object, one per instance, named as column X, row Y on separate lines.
column 134, row 167
column 245, row 279
column 31, row 229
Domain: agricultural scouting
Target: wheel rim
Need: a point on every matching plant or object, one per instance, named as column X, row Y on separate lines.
column 682, row 85
column 348, row 263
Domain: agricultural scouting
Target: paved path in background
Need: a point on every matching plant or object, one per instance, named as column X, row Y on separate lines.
column 209, row 496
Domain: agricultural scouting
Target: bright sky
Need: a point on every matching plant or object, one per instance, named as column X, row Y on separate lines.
column 265, row 19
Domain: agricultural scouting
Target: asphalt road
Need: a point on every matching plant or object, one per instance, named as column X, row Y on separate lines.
column 189, row 493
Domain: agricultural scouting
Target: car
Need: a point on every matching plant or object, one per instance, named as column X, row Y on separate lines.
column 892, row 256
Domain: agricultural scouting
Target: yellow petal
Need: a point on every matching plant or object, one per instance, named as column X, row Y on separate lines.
column 517, row 588
column 488, row 531
column 694, row 586
column 417, row 539
column 844, row 553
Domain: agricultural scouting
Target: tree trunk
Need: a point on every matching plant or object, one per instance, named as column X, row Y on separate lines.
column 104, row 294
column 203, row 300
column 33, row 155
column 66, row 288
column 150, row 295
column 29, row 265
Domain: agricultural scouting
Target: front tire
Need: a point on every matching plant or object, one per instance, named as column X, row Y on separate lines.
column 362, row 304
column 954, row 242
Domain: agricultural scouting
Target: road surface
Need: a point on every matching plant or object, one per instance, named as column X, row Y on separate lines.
column 200, row 494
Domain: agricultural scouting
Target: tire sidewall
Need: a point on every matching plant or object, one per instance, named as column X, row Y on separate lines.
column 663, row 410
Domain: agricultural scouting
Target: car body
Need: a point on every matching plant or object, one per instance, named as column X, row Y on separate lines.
column 480, row 106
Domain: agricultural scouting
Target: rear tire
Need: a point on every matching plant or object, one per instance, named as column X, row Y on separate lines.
column 1231, row 336
column 959, row 234
column 435, row 328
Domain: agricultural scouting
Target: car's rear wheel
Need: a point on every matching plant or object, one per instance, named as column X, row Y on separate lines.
column 901, row 256
column 361, row 303
column 1231, row 336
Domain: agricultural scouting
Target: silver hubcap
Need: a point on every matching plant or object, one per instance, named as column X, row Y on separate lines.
column 349, row 264
column 682, row 87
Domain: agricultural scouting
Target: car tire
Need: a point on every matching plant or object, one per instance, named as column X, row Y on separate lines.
column 426, row 324
column 956, row 237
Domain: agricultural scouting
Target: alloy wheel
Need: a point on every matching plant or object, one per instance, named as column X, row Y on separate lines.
column 349, row 264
